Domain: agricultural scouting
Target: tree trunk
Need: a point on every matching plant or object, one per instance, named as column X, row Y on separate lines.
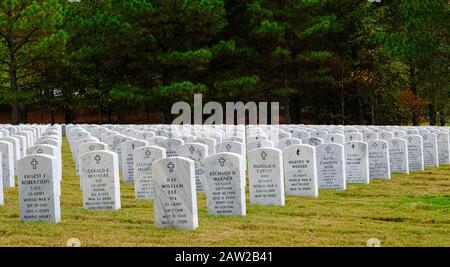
column 295, row 112
column 147, row 112
column 13, row 75
column 109, row 116
column 412, row 76
column 442, row 119
column 67, row 116
column 24, row 116
column 68, row 113
column 287, row 110
column 342, row 95
column 360, row 111
column 432, row 114
column 376, row 109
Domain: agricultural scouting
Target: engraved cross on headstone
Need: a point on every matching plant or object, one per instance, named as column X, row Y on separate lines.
column 170, row 166
column 264, row 155
column 222, row 161
column 34, row 163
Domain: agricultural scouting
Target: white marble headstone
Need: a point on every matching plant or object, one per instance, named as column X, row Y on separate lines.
column 331, row 166
column 127, row 158
column 39, row 198
column 7, row 164
column 334, row 138
column 398, row 155
column 259, row 144
column 143, row 158
column 379, row 159
column 231, row 147
column 443, row 143
column 171, row 146
column 300, row 170
column 415, row 152
column 313, row 141
column 100, row 180
column 265, row 174
column 353, row 136
column 210, row 142
column 356, row 162
column 430, row 150
column 175, row 197
column 286, row 142
column 197, row 152
column 225, row 184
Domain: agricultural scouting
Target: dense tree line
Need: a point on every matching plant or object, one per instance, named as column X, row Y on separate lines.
column 325, row 61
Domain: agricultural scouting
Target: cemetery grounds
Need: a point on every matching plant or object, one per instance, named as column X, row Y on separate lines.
column 408, row 210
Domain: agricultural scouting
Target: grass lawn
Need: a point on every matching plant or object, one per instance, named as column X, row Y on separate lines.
column 409, row 210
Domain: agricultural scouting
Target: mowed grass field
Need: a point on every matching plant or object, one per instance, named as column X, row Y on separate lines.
column 408, row 210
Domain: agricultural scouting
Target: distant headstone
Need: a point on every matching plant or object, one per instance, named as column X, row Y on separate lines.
column 225, row 184
column 197, row 152
column 299, row 134
column 210, row 142
column 286, row 142
column 22, row 145
column 353, row 136
column 231, row 147
column 386, row 135
column 143, row 175
column 415, row 152
column 300, row 171
column 412, row 131
column 7, row 164
column 443, row 141
column 265, row 172
column 356, row 162
column 398, row 155
column 330, row 166
column 2, row 199
column 259, row 144
column 430, row 150
column 319, row 134
column 379, row 159
column 398, row 134
column 171, row 146
column 127, row 158
column 370, row 136
column 313, row 141
column 16, row 146
column 334, row 138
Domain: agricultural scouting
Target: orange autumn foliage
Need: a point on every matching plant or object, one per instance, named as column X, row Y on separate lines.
column 412, row 103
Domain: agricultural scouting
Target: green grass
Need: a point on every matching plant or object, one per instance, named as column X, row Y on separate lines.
column 409, row 210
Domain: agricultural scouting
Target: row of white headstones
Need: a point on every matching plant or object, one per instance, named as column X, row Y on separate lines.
column 171, row 164
column 33, row 153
